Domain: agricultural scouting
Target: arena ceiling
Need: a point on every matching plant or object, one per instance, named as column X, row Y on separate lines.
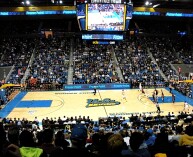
column 172, row 4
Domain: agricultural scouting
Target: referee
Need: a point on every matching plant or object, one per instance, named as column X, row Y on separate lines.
column 158, row 108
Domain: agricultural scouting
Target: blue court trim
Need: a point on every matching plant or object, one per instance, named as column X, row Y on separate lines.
column 34, row 103
column 181, row 96
column 167, row 99
column 11, row 105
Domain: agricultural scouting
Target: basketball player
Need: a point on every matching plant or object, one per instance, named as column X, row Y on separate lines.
column 123, row 95
column 140, row 87
column 173, row 98
column 155, row 95
column 186, row 106
column 162, row 95
column 170, row 87
column 158, row 108
column 156, row 92
column 94, row 91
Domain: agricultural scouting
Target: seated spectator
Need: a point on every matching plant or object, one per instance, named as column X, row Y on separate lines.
column 27, row 145
column 3, row 141
column 60, row 140
column 137, row 147
column 115, row 145
column 94, row 147
column 13, row 136
column 178, row 133
column 162, row 145
column 187, row 138
column 149, row 137
column 78, row 139
column 48, row 146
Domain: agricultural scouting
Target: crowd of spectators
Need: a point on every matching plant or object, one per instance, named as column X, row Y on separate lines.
column 143, row 135
column 94, row 64
column 16, row 52
column 136, row 64
column 164, row 53
column 50, row 65
column 167, row 38
column 168, row 51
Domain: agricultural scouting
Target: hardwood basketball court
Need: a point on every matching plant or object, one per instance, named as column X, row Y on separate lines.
column 74, row 103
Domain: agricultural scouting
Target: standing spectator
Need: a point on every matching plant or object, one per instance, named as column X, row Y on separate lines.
column 78, row 139
column 137, row 146
column 13, row 135
column 162, row 145
column 60, row 140
column 115, row 145
column 27, row 145
column 49, row 148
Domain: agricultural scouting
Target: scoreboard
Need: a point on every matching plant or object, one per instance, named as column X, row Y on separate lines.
column 109, row 16
column 100, row 1
column 103, row 19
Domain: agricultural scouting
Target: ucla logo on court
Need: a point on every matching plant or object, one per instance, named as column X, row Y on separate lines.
column 104, row 102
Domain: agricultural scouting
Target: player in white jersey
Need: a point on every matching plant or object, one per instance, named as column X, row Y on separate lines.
column 123, row 95
column 186, row 106
column 140, row 87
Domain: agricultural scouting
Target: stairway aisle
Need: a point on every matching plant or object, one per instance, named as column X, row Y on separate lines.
column 117, row 67
column 153, row 59
column 70, row 69
column 27, row 72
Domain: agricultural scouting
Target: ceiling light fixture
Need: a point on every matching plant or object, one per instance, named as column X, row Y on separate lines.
column 147, row 3
column 28, row 2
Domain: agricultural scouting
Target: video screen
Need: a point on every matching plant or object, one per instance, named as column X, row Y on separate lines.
column 105, row 17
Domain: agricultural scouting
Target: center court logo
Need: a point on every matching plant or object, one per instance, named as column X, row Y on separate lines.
column 104, row 102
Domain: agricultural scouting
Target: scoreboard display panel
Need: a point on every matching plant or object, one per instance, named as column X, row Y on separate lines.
column 104, row 21
column 102, row 36
column 105, row 17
